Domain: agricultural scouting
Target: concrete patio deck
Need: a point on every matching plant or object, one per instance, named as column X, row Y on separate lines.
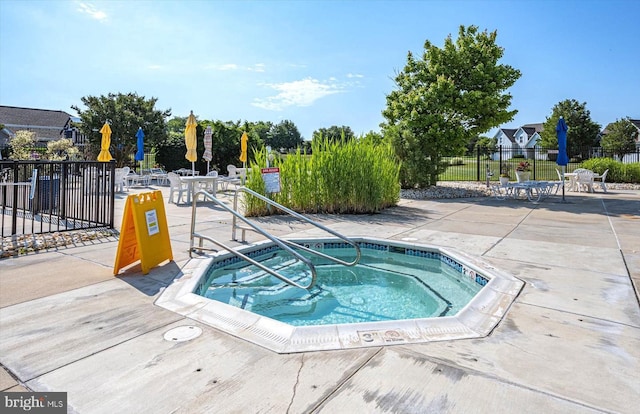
column 569, row 343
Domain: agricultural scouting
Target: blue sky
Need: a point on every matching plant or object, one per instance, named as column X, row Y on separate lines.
column 316, row 63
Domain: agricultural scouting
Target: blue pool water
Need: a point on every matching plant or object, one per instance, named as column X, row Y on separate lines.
column 388, row 284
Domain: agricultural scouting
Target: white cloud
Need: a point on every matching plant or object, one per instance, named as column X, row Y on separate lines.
column 92, row 11
column 227, row 66
column 258, row 67
column 297, row 93
column 354, row 75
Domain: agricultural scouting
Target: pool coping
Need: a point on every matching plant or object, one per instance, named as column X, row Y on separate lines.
column 476, row 320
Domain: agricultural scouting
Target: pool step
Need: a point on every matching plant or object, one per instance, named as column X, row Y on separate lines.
column 250, row 275
column 297, row 303
column 281, row 291
column 282, row 297
column 249, row 282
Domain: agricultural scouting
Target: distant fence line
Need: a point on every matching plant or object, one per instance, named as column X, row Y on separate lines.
column 45, row 196
column 72, row 195
column 542, row 162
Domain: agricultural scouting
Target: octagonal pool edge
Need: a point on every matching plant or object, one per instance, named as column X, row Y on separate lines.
column 477, row 319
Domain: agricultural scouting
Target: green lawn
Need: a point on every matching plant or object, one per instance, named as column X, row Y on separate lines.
column 468, row 171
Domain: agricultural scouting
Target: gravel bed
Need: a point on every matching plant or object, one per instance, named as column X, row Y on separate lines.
column 466, row 189
column 22, row 244
column 447, row 189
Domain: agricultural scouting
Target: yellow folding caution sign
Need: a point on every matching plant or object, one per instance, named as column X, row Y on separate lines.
column 144, row 234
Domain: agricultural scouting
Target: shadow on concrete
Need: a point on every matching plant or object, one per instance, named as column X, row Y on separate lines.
column 152, row 283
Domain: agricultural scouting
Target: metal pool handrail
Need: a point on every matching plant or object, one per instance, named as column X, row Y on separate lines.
column 276, row 240
column 298, row 216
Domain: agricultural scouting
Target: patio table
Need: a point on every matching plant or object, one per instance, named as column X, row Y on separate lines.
column 209, row 180
column 533, row 191
column 572, row 181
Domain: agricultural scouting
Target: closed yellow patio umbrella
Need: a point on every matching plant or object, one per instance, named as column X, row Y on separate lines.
column 190, row 141
column 105, row 155
column 243, row 148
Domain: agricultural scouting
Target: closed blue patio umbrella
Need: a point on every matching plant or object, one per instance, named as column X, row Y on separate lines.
column 140, row 146
column 562, row 159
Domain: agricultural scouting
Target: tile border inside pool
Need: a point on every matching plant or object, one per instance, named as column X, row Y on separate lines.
column 475, row 320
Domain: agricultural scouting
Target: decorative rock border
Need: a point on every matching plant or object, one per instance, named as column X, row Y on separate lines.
column 467, row 189
column 22, row 244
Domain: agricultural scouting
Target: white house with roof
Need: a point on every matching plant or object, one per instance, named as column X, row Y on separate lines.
column 520, row 141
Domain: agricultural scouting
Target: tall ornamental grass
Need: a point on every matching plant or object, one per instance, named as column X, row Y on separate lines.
column 354, row 177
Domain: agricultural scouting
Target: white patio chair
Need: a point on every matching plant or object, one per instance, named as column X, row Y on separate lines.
column 231, row 178
column 176, row 186
column 119, row 179
column 208, row 186
column 584, row 180
column 558, row 184
column 600, row 179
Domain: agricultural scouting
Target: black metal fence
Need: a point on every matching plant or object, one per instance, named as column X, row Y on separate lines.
column 45, row 197
column 542, row 163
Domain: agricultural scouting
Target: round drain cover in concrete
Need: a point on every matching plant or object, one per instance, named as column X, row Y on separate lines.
column 182, row 333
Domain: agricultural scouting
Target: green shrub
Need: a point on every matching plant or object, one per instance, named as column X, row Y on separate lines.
column 632, row 173
column 619, row 172
column 352, row 177
column 456, row 161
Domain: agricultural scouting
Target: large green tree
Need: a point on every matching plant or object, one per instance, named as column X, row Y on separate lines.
column 620, row 138
column 484, row 146
column 444, row 99
column 170, row 152
column 225, row 142
column 262, row 130
column 582, row 133
column 284, row 135
column 373, row 137
column 125, row 114
column 334, row 133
